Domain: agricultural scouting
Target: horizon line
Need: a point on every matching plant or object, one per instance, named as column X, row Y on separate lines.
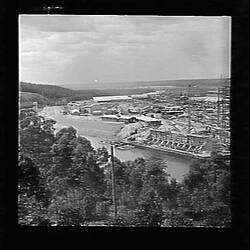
column 136, row 81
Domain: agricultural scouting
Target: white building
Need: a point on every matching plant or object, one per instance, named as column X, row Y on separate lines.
column 112, row 98
column 130, row 119
column 148, row 120
column 205, row 98
column 75, row 112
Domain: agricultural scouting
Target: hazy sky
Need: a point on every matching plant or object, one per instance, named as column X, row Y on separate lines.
column 84, row 49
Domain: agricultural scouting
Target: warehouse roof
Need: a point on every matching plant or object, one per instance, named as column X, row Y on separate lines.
column 146, row 118
column 75, row 111
column 196, row 135
column 118, row 117
column 205, row 98
column 140, row 118
column 111, row 98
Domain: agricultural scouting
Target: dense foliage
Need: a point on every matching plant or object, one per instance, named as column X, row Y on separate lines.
column 49, row 91
column 64, row 181
column 56, row 94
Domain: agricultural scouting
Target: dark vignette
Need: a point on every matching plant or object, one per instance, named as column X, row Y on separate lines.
column 236, row 237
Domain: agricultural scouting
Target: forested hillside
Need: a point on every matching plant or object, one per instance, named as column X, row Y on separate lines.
column 64, row 181
column 53, row 94
column 49, row 91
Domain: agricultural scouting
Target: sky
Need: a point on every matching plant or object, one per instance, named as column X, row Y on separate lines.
column 57, row 49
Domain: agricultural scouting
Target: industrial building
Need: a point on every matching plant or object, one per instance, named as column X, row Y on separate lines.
column 148, row 120
column 130, row 119
column 75, row 112
column 187, row 143
column 224, row 106
column 205, row 98
column 119, row 118
column 190, row 127
column 174, row 110
column 101, row 99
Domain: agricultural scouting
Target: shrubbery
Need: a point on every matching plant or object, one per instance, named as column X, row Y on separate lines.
column 64, row 181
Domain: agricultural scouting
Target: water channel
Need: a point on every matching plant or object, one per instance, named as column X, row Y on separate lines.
column 96, row 131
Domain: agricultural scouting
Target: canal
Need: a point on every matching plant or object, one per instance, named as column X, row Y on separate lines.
column 96, row 131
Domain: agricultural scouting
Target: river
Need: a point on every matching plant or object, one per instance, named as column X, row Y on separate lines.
column 96, row 131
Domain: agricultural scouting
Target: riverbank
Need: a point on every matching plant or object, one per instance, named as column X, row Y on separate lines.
column 98, row 131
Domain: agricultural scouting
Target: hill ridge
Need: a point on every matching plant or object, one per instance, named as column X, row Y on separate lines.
column 215, row 82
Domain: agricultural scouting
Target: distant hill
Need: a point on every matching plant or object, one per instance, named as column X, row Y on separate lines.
column 124, row 91
column 149, row 84
column 57, row 93
column 48, row 91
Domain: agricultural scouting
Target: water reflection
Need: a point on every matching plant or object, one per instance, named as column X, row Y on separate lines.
column 176, row 167
column 96, row 131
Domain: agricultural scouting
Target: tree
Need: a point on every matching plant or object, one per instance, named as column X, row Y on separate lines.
column 62, row 151
column 142, row 185
column 204, row 196
column 196, row 175
column 175, row 218
column 157, row 178
column 70, row 217
column 77, row 169
column 28, row 177
column 36, row 137
column 33, row 196
column 63, row 180
column 149, row 213
column 102, row 155
column 85, row 169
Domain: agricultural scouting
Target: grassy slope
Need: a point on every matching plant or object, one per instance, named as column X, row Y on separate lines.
column 27, row 99
column 48, row 91
column 53, row 92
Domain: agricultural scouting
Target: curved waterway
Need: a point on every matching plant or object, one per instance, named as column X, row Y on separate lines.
column 96, row 131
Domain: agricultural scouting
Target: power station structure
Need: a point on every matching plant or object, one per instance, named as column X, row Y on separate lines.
column 223, row 115
column 197, row 145
column 223, row 106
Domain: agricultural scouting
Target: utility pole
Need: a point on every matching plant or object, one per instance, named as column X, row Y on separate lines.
column 189, row 111
column 35, row 106
column 218, row 108
column 113, row 181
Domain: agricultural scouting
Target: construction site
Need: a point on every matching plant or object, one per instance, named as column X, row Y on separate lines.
column 191, row 123
column 203, row 128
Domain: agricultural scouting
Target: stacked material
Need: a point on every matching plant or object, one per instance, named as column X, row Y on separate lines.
column 129, row 129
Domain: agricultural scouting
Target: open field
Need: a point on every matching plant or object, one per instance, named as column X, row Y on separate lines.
column 27, row 99
column 85, row 125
